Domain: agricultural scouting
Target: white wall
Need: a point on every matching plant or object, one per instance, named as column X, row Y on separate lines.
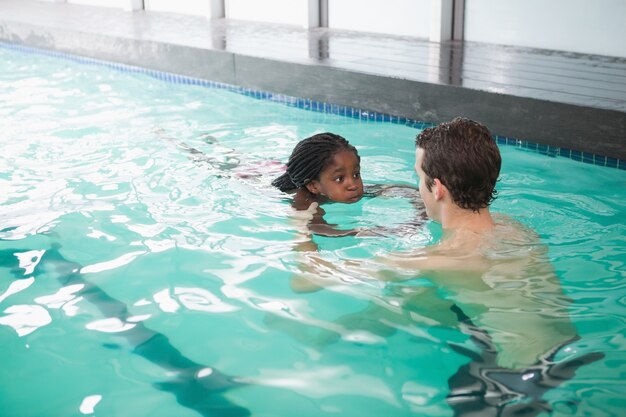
column 111, row 3
column 398, row 17
column 195, row 7
column 121, row 4
column 586, row 26
column 303, row 13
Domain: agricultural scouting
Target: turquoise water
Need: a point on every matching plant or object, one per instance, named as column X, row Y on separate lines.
column 114, row 232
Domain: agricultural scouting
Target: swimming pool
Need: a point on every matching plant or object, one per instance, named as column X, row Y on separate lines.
column 115, row 233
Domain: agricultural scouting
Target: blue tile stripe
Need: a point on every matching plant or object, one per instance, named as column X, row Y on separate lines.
column 321, row 107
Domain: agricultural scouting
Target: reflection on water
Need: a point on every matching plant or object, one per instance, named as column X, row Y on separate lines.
column 197, row 299
column 194, row 385
column 25, row 319
column 89, row 403
column 519, row 316
column 176, row 247
column 485, row 387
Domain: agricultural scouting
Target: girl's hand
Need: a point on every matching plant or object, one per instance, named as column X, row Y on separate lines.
column 308, row 213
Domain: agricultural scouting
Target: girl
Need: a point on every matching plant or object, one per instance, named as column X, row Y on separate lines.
column 322, row 168
column 325, row 168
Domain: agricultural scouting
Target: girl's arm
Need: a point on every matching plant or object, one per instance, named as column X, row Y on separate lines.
column 319, row 226
column 391, row 190
column 302, row 202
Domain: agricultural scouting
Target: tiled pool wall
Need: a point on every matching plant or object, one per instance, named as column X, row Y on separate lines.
column 322, row 107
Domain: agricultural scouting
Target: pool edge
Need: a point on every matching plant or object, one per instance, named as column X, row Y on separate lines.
column 314, row 105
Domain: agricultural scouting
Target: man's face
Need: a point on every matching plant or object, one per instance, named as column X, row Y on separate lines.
column 428, row 196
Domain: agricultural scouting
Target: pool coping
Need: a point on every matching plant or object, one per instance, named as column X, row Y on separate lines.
column 550, row 128
column 322, row 107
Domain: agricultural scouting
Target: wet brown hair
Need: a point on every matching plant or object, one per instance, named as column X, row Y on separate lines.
column 465, row 158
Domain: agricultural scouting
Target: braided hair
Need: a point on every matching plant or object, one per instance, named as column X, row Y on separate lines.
column 309, row 158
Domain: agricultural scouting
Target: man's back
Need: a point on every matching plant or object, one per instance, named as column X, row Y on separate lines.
column 503, row 281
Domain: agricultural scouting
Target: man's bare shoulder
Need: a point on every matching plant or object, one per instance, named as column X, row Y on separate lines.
column 510, row 238
column 507, row 243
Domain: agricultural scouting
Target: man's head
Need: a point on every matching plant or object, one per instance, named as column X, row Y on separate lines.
column 462, row 156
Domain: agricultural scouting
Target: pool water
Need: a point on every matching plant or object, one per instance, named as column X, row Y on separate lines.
column 145, row 259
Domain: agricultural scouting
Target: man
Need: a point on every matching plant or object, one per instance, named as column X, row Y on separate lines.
column 496, row 275
column 491, row 267
column 489, row 276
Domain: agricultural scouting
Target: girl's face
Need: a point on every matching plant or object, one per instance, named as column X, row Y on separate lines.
column 341, row 180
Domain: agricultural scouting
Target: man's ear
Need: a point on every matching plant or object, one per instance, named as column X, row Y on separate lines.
column 439, row 190
column 313, row 187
